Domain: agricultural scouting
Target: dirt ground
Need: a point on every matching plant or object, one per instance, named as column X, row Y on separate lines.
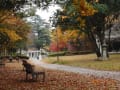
column 12, row 77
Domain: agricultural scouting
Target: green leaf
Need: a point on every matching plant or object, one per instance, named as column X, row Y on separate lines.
column 102, row 8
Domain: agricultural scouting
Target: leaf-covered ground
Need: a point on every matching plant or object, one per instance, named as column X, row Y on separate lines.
column 13, row 78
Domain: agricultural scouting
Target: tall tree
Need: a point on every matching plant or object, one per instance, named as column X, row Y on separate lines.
column 89, row 17
column 12, row 29
column 41, row 29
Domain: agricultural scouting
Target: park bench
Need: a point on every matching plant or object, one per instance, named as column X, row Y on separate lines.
column 30, row 69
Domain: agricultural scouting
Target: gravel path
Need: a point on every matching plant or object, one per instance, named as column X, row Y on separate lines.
column 97, row 73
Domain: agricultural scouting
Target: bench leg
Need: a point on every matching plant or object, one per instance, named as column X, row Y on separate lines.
column 26, row 76
column 43, row 76
column 41, row 73
column 33, row 76
column 36, row 76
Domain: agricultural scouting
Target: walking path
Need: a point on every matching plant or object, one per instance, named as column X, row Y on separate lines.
column 97, row 73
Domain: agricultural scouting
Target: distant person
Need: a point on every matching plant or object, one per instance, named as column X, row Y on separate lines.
column 38, row 57
column 10, row 58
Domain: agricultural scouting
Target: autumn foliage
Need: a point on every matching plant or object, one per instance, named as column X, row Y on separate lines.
column 58, row 41
column 65, row 40
column 71, row 39
column 12, row 29
column 84, row 8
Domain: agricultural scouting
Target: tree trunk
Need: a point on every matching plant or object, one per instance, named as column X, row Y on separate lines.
column 97, row 49
column 109, row 40
column 100, row 49
column 104, row 51
column 20, row 51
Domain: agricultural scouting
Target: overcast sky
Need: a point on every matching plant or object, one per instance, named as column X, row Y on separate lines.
column 46, row 14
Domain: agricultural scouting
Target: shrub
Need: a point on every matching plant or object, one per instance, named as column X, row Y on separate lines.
column 23, row 57
column 77, row 52
column 57, row 54
column 68, row 53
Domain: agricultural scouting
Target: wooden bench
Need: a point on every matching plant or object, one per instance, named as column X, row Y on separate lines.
column 30, row 70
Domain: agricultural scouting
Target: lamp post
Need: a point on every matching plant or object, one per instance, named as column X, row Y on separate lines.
column 57, row 46
column 54, row 21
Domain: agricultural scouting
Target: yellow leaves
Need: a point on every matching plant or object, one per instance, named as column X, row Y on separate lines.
column 7, row 17
column 84, row 8
column 63, row 17
column 57, row 34
column 4, row 14
column 83, row 36
column 11, row 20
column 13, row 36
column 75, row 2
column 12, row 29
column 82, row 22
column 83, row 3
column 14, row 26
column 71, row 34
column 77, row 10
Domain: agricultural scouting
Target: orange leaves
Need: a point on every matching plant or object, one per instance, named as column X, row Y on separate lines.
column 75, row 1
column 82, row 22
column 13, row 36
column 59, row 40
column 76, row 11
column 57, row 34
column 71, row 34
column 13, row 78
column 11, row 20
column 84, row 8
column 14, row 27
column 64, row 36
column 5, row 14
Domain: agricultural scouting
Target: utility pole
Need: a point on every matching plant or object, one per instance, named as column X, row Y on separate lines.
column 57, row 45
column 54, row 20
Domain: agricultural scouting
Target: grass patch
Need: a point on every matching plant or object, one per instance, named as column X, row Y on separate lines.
column 88, row 61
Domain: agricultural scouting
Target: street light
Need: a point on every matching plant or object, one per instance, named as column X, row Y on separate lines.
column 57, row 45
column 54, row 21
